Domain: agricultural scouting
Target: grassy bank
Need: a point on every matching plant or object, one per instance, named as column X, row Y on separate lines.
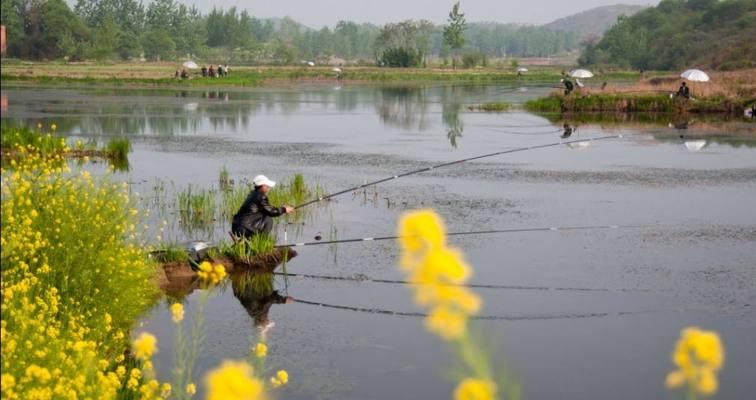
column 161, row 74
column 727, row 92
column 634, row 102
column 74, row 280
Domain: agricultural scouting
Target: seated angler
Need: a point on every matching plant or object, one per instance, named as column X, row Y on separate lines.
column 256, row 215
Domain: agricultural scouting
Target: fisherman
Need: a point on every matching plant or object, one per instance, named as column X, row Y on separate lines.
column 256, row 215
column 184, row 74
column 684, row 91
column 568, row 86
column 204, row 71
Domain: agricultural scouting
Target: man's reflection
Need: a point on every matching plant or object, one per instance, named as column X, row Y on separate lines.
column 255, row 291
column 567, row 131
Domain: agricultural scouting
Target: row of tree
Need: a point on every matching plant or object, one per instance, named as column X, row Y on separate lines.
column 166, row 29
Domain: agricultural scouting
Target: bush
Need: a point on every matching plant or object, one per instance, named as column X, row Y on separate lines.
column 401, row 58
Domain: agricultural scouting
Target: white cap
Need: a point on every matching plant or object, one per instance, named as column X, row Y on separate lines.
column 261, row 180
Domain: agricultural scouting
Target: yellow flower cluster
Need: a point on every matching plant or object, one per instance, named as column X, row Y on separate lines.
column 261, row 350
column 72, row 283
column 211, row 275
column 438, row 272
column 177, row 312
column 475, row 389
column 698, row 355
column 145, row 345
column 281, row 378
column 234, row 380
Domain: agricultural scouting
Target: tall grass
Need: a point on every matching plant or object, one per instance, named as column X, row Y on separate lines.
column 74, row 280
column 117, row 150
column 196, row 206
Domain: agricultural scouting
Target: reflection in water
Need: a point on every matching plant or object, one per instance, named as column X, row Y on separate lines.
column 256, row 293
column 450, row 108
column 404, row 107
column 567, row 131
column 694, row 146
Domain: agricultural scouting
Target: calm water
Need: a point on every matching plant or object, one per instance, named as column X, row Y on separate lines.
column 692, row 263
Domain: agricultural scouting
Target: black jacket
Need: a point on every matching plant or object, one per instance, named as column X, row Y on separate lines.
column 255, row 210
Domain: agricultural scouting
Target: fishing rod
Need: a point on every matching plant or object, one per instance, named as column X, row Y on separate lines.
column 520, row 317
column 362, row 278
column 446, row 164
column 481, row 232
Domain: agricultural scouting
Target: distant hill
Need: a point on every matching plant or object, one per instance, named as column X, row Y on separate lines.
column 679, row 34
column 593, row 22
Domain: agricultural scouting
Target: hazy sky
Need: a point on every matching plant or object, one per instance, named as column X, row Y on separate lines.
column 316, row 13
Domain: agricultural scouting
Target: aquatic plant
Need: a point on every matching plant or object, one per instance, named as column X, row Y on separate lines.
column 439, row 273
column 196, row 206
column 224, row 179
column 171, row 253
column 74, row 280
column 117, row 151
column 698, row 356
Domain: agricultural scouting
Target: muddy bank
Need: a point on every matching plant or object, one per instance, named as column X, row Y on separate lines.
column 178, row 279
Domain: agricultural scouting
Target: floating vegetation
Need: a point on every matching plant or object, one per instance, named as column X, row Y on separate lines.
column 171, row 253
column 499, row 106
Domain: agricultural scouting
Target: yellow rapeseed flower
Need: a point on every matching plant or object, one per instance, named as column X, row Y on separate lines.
column 145, row 345
column 698, row 355
column 177, row 312
column 475, row 389
column 261, row 350
column 233, row 380
column 191, row 389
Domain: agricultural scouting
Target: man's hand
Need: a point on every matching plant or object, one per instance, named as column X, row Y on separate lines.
column 289, row 209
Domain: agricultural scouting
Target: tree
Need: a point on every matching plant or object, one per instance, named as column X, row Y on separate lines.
column 403, row 44
column 158, row 45
column 454, row 33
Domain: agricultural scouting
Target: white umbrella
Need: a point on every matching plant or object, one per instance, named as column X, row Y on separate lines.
column 190, row 65
column 695, row 146
column 695, row 75
column 581, row 73
column 336, row 69
column 310, row 63
column 522, row 69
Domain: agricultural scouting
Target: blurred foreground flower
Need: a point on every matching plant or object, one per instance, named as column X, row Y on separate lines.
column 698, row 355
column 438, row 271
column 145, row 345
column 475, row 389
column 210, row 274
column 234, row 380
column 177, row 312
column 439, row 274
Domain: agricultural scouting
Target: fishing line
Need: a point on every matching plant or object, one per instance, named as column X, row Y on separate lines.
column 363, row 278
column 478, row 317
column 446, row 164
column 482, row 232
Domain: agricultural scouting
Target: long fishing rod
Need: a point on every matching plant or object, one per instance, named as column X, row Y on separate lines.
column 362, row 278
column 446, row 164
column 520, row 317
column 481, row 232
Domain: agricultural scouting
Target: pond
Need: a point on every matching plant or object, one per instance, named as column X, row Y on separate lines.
column 576, row 314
